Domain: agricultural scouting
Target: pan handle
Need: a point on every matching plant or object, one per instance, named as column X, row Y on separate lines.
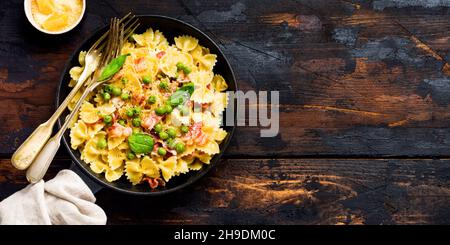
column 93, row 186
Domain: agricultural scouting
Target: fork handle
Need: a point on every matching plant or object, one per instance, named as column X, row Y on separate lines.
column 40, row 165
column 25, row 154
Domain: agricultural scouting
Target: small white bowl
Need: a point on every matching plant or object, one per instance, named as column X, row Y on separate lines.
column 27, row 5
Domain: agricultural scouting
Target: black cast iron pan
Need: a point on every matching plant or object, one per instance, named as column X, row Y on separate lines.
column 170, row 28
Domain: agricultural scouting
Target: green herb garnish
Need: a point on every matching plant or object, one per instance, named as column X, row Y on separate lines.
column 113, row 67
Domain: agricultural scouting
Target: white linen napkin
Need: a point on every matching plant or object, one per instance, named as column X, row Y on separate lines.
column 63, row 200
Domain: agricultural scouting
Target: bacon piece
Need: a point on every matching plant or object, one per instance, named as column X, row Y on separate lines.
column 161, row 182
column 117, row 130
column 150, row 121
column 138, row 99
column 160, row 54
column 127, row 131
column 205, row 106
column 140, row 64
column 201, row 140
column 195, row 135
column 152, row 182
column 196, row 129
column 155, row 147
column 115, row 116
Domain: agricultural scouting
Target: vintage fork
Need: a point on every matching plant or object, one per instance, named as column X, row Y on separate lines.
column 26, row 153
column 113, row 48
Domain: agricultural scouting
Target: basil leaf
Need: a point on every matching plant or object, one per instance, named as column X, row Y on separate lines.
column 140, row 143
column 113, row 67
column 178, row 98
column 189, row 87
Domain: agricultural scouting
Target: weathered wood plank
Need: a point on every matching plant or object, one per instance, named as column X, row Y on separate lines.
column 287, row 191
column 367, row 79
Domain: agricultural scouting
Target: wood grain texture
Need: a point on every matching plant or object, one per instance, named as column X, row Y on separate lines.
column 354, row 80
column 287, row 191
column 364, row 110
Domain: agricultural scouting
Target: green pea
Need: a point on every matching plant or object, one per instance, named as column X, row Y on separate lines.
column 101, row 143
column 106, row 96
column 151, row 99
column 107, row 118
column 163, row 85
column 136, row 122
column 116, row 91
column 179, row 147
column 163, row 135
column 146, row 79
column 131, row 156
column 108, row 88
column 129, row 112
column 158, row 128
column 122, row 122
column 162, row 151
column 183, row 67
column 124, row 80
column 160, row 111
column 184, row 129
column 172, row 132
column 168, row 108
column 187, row 70
column 137, row 111
column 180, row 66
column 171, row 143
column 125, row 96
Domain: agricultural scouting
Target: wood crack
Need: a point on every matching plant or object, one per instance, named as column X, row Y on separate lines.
column 354, row 111
column 425, row 47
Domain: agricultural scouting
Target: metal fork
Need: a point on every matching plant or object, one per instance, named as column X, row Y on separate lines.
column 26, row 153
column 113, row 48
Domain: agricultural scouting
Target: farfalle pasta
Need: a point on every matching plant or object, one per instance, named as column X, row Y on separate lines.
column 158, row 117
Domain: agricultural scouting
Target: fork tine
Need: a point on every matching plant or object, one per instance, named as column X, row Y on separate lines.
column 125, row 17
column 126, row 28
column 119, row 50
column 131, row 30
column 108, row 46
column 112, row 47
column 99, row 43
column 113, row 41
column 119, row 40
column 127, row 22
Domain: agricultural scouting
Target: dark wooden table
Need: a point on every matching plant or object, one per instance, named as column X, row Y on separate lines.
column 364, row 114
